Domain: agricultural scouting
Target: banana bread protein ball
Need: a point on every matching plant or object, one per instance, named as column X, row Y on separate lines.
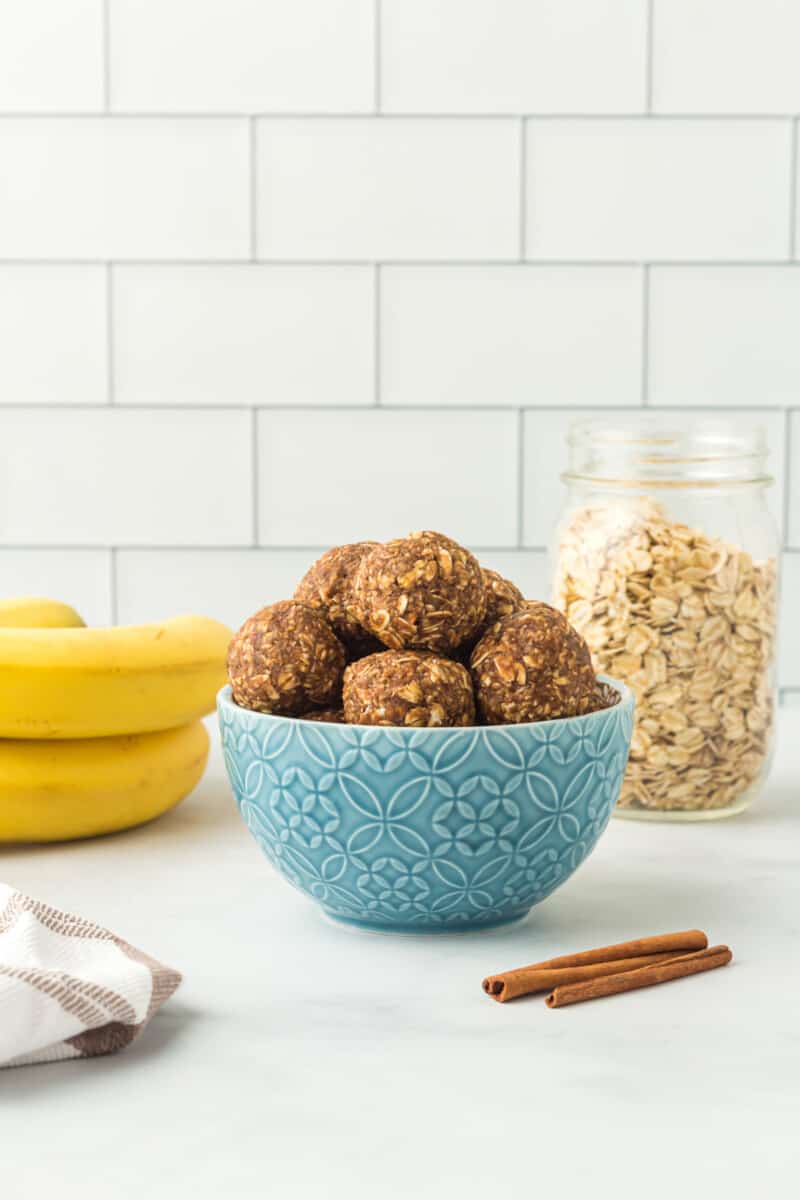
column 532, row 666
column 421, row 592
column 502, row 597
column 286, row 659
column 328, row 586
column 408, row 687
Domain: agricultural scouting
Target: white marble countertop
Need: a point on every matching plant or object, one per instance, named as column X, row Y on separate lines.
column 301, row 1060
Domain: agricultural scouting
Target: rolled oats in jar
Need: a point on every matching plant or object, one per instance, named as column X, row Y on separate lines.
column 666, row 562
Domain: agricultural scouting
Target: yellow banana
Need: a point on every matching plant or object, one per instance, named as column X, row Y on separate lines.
column 84, row 683
column 53, row 791
column 37, row 612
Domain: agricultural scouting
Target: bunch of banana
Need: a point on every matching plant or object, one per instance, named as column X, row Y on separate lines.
column 100, row 728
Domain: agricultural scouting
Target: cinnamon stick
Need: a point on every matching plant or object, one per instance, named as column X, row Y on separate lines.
column 647, row 976
column 527, row 980
column 523, row 980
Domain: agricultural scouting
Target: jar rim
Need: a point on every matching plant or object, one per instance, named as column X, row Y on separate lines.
column 655, row 449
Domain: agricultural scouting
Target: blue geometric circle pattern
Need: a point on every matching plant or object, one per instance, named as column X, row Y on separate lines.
column 426, row 830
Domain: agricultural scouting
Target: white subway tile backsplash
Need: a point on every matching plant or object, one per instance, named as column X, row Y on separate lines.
column 99, row 188
column 726, row 57
column 363, row 189
column 789, row 633
column 724, row 335
column 243, row 335
column 53, row 335
column 528, row 569
column 226, row 584
column 627, row 189
column 498, row 56
column 793, row 534
column 81, row 578
column 229, row 585
column 242, row 55
column 511, row 335
column 118, row 476
column 464, row 210
column 545, row 458
column 51, row 55
column 328, row 477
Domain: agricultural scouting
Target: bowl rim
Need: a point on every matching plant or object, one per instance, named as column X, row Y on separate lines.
column 627, row 700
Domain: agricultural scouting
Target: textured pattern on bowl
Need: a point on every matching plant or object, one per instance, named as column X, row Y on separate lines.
column 433, row 830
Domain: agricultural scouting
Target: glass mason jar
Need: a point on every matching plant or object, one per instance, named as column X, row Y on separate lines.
column 666, row 560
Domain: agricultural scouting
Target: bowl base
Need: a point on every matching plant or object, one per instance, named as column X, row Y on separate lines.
column 413, row 929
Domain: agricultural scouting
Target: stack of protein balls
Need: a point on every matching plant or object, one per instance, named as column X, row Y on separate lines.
column 412, row 632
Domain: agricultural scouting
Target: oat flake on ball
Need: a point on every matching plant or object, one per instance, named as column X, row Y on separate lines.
column 328, row 586
column 408, row 687
column 285, row 659
column 422, row 592
column 532, row 666
column 502, row 597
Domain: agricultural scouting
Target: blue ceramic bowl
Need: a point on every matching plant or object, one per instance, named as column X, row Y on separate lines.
column 426, row 830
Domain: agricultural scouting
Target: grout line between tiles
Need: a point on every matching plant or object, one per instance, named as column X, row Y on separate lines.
column 398, row 408
column 523, row 186
column 366, row 114
column 787, row 480
column 580, row 264
column 377, row 300
column 254, row 465
column 239, row 547
column 377, row 17
column 113, row 591
column 253, row 190
column 232, row 547
column 106, row 54
column 645, row 393
column 648, row 58
column 793, row 214
column 520, row 477
column 118, row 114
column 109, row 332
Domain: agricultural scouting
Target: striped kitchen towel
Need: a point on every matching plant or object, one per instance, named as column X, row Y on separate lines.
column 68, row 987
